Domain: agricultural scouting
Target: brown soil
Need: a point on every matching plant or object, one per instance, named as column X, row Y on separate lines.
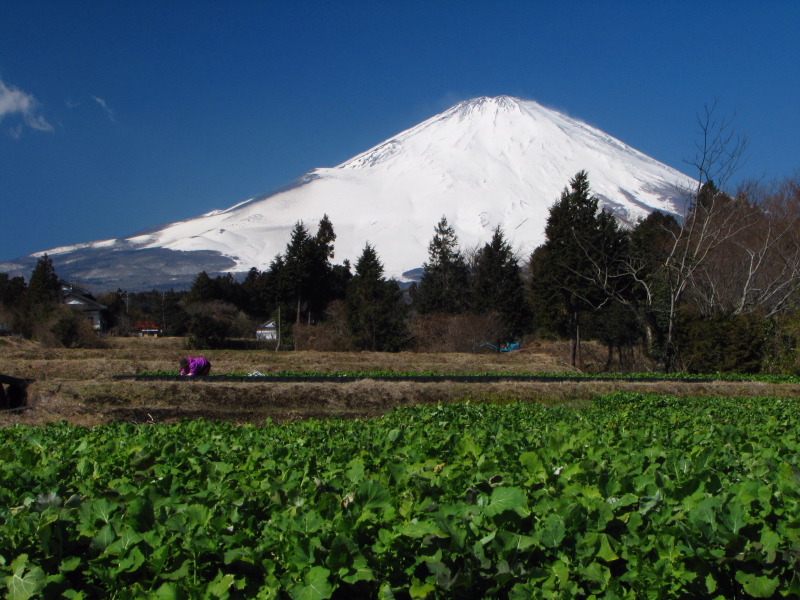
column 77, row 385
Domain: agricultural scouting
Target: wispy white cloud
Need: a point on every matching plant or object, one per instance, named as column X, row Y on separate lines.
column 105, row 107
column 15, row 101
column 70, row 103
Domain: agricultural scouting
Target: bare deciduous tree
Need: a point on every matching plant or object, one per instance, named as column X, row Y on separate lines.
column 652, row 279
column 756, row 269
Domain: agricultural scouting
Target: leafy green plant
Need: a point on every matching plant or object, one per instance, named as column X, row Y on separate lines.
column 635, row 496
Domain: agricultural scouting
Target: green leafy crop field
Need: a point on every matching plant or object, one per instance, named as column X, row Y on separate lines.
column 635, row 496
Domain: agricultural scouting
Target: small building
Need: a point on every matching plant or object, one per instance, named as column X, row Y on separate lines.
column 145, row 329
column 77, row 297
column 268, row 331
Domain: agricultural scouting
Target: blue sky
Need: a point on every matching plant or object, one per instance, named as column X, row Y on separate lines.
column 117, row 116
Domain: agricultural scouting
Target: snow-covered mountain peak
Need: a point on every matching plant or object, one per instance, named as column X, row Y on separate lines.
column 486, row 104
column 482, row 163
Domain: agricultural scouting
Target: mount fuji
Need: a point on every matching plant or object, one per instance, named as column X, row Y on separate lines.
column 482, row 163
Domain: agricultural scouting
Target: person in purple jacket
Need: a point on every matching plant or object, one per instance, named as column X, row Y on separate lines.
column 195, row 366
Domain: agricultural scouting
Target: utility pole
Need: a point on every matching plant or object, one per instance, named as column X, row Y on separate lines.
column 278, row 346
column 163, row 317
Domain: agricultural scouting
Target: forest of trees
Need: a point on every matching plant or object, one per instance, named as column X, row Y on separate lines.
column 714, row 288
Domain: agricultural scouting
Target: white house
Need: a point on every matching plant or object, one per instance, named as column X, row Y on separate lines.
column 74, row 296
column 268, row 331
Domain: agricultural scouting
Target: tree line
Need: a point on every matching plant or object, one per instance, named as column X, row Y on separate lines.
column 713, row 290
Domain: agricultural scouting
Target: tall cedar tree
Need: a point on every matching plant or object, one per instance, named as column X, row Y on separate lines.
column 446, row 279
column 579, row 241
column 374, row 307
column 322, row 276
column 202, row 290
column 498, row 286
column 297, row 269
column 43, row 288
column 307, row 274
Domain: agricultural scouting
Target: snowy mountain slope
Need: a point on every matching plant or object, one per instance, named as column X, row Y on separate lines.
column 482, row 163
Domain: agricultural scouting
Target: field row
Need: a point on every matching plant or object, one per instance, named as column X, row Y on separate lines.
column 482, row 377
column 633, row 497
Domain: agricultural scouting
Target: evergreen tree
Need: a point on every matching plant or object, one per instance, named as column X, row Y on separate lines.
column 498, row 285
column 308, row 276
column 12, row 291
column 202, row 290
column 340, row 280
column 43, row 288
column 445, row 280
column 297, row 270
column 251, row 292
column 580, row 243
column 650, row 242
column 12, row 304
column 227, row 289
column 374, row 307
column 322, row 277
column 549, row 316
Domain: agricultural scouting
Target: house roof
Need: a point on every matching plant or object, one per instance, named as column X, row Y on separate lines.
column 82, row 302
column 78, row 297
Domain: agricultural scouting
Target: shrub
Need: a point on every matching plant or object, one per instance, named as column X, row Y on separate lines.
column 71, row 330
column 332, row 335
column 455, row 333
column 206, row 332
column 722, row 343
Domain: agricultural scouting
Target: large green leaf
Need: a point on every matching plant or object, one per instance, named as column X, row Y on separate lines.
column 127, row 538
column 516, row 542
column 605, row 549
column 758, row 587
column 597, row 573
column 104, row 538
column 704, row 511
column 467, row 446
column 360, row 571
column 553, row 532
column 733, row 516
column 179, row 573
column 199, row 514
column 418, row 529
column 307, row 522
column 168, row 591
column 419, row 590
column 355, row 470
column 24, row 582
column 533, row 464
column 103, row 509
column 372, row 495
column 219, row 587
column 69, row 564
column 132, row 561
column 315, row 586
column 507, row 498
